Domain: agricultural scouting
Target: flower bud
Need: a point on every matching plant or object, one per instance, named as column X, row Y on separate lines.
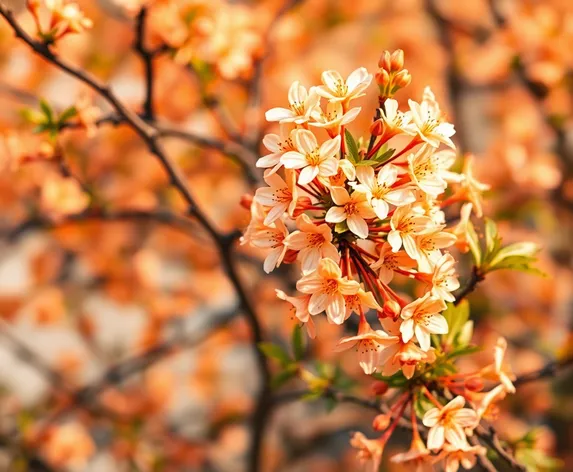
column 391, row 309
column 246, row 201
column 402, row 79
column 379, row 388
column 397, row 60
column 384, row 61
column 377, row 128
column 382, row 78
column 381, row 422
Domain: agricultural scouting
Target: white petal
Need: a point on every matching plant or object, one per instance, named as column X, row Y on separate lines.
column 279, row 114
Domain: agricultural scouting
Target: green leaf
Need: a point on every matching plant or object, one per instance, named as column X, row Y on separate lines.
column 273, row 351
column 67, row 114
column 456, row 316
column 473, row 242
column 492, row 239
column 383, row 156
column 352, row 148
column 48, row 113
column 526, row 250
column 298, row 346
column 367, row 162
column 341, row 227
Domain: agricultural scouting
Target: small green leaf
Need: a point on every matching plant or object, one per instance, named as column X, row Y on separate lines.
column 384, row 156
column 341, row 227
column 298, row 346
column 48, row 113
column 456, row 316
column 353, row 154
column 367, row 162
column 273, row 351
column 492, row 239
column 474, row 245
column 67, row 114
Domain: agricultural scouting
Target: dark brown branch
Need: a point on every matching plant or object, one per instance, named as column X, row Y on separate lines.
column 551, row 369
column 475, row 278
column 147, row 57
column 489, row 436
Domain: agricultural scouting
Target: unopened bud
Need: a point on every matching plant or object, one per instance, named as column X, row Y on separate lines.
column 381, row 422
column 379, row 388
column 382, row 78
column 246, row 201
column 384, row 61
column 397, row 60
column 402, row 79
column 391, row 309
column 474, row 384
column 377, row 128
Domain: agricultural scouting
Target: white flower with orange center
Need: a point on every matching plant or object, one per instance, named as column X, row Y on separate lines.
column 485, row 403
column 389, row 261
column 271, row 237
column 300, row 307
column 333, row 118
column 417, row 456
column 277, row 145
column 336, row 89
column 369, row 344
column 448, row 424
column 466, row 456
column 471, row 188
column 422, row 318
column 428, row 247
column 405, row 225
column 429, row 169
column 360, row 302
column 354, row 209
column 395, row 122
column 444, row 278
column 428, row 121
column 312, row 160
column 499, row 371
column 380, row 190
column 301, row 105
column 279, row 196
column 314, row 242
column 327, row 287
column 369, row 451
column 403, row 356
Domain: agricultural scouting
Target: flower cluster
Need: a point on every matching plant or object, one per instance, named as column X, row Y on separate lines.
column 208, row 33
column 356, row 213
column 57, row 18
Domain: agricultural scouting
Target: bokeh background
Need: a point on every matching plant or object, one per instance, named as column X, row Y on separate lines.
column 122, row 340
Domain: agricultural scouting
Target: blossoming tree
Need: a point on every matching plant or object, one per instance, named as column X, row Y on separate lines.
column 364, row 205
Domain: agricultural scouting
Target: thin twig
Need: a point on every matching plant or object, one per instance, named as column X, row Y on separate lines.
column 147, row 60
column 475, row 278
column 489, row 436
